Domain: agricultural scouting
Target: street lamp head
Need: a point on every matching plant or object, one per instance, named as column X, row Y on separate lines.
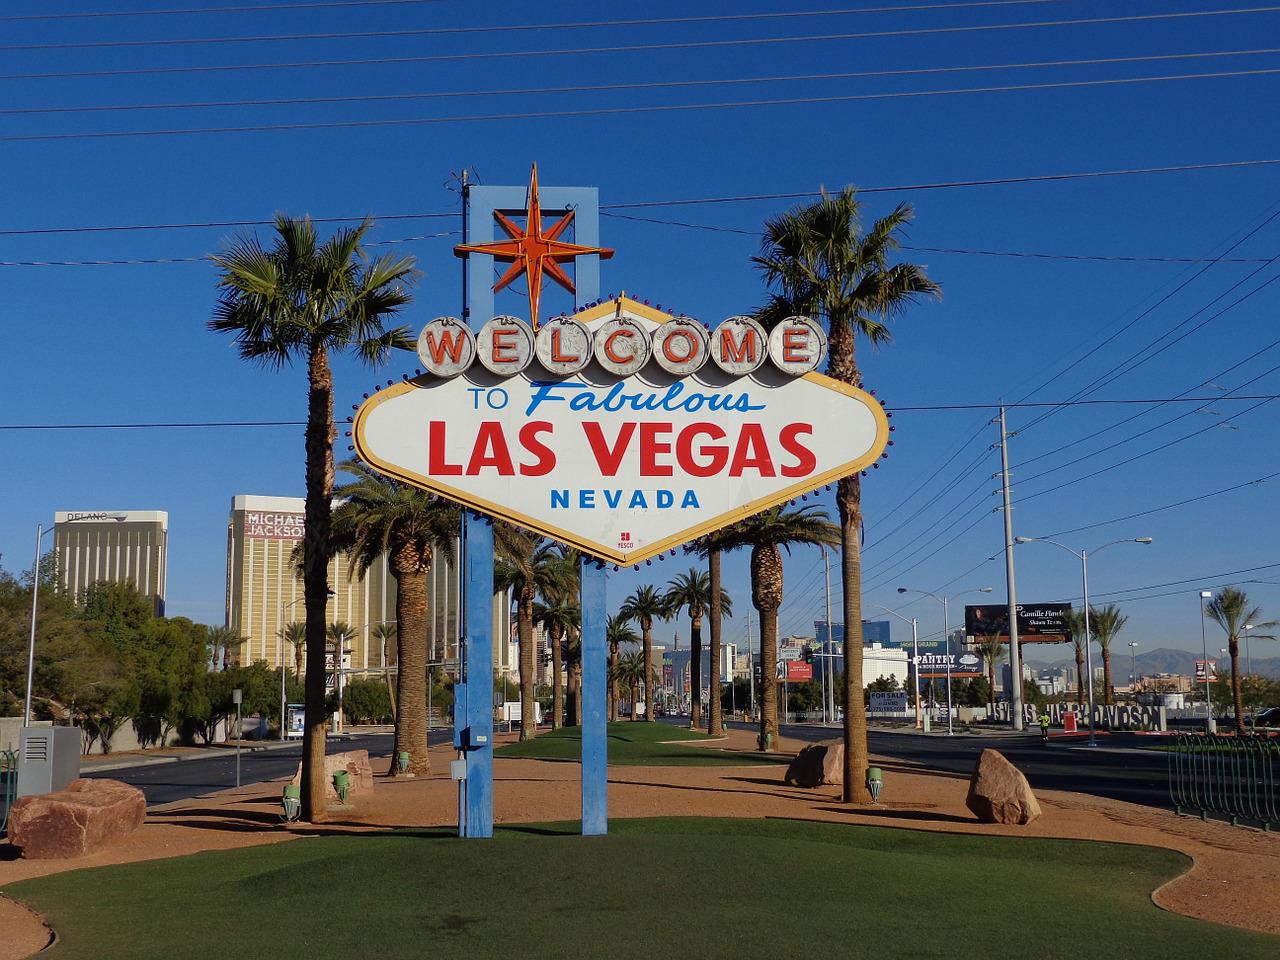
column 902, row 589
column 1206, row 594
column 1023, row 539
column 985, row 589
column 1142, row 539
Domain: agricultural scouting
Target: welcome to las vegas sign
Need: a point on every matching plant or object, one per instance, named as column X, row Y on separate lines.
column 624, row 431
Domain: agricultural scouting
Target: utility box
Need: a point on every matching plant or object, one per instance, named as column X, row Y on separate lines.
column 48, row 759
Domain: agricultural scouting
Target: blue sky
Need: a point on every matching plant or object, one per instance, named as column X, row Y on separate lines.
column 128, row 343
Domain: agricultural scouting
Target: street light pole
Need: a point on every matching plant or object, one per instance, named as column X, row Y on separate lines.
column 828, row 682
column 946, row 632
column 1083, row 557
column 31, row 644
column 1133, row 674
column 1204, row 652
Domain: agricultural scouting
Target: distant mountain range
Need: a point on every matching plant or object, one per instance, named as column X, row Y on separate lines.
column 1161, row 660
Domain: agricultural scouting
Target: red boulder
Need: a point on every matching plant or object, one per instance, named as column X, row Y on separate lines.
column 85, row 817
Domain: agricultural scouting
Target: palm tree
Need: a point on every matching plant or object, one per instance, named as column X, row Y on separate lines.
column 990, row 647
column 617, row 631
column 1231, row 611
column 381, row 517
column 528, row 566
column 1105, row 624
column 692, row 592
column 629, row 672
column 573, row 664
column 221, row 641
column 643, row 607
column 1079, row 639
column 768, row 534
column 300, row 300
column 816, row 260
column 558, row 618
column 385, row 634
column 294, row 634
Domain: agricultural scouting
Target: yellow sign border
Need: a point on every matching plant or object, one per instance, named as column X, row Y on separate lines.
column 651, row 550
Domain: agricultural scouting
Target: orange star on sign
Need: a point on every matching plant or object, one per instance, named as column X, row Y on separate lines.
column 533, row 251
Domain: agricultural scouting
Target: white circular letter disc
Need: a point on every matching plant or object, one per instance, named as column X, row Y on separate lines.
column 446, row 347
column 505, row 345
column 622, row 346
column 797, row 345
column 563, row 345
column 739, row 345
column 681, row 346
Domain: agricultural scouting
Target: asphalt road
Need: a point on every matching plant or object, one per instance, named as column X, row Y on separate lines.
column 182, row 779
column 1131, row 775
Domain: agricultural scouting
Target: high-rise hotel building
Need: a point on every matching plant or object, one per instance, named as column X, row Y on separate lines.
column 265, row 591
column 115, row 546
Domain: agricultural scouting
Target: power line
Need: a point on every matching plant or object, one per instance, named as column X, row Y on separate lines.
column 625, row 111
column 1163, row 507
column 690, row 201
column 485, row 28
column 940, row 407
column 189, row 11
column 608, row 87
column 622, row 48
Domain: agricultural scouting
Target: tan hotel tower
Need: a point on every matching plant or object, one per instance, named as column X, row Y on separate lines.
column 264, row 592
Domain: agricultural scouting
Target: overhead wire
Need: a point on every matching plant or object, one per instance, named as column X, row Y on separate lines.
column 613, row 87
column 622, row 111
column 614, row 49
column 190, row 11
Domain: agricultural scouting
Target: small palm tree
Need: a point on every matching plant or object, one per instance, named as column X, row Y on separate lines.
column 381, row 517
column 1106, row 624
column 630, row 675
column 573, row 665
column 817, row 261
column 990, row 647
column 223, row 640
column 295, row 635
column 557, row 618
column 617, row 631
column 1231, row 611
column 301, row 300
column 1079, row 640
column 643, row 607
column 528, row 566
column 692, row 592
column 768, row 534
column 385, row 634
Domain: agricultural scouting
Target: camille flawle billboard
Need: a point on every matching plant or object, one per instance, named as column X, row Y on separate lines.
column 623, row 430
column 1037, row 622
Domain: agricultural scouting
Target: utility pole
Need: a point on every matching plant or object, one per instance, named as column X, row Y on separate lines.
column 828, row 682
column 751, row 666
column 1015, row 654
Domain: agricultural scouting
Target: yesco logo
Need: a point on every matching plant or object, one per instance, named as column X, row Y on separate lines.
column 622, row 430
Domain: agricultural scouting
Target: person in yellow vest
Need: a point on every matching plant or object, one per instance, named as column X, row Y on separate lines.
column 1044, row 727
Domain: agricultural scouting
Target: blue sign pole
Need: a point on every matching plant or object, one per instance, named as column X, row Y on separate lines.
column 595, row 743
column 473, row 709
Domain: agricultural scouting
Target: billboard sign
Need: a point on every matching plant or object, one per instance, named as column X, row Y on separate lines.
column 1037, row 622
column 1206, row 671
column 889, row 703
column 963, row 665
column 271, row 525
column 798, row 671
column 631, row 433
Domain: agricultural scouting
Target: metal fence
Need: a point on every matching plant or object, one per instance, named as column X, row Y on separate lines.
column 8, row 785
column 1233, row 777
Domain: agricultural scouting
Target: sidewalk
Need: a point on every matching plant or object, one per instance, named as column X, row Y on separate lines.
column 139, row 758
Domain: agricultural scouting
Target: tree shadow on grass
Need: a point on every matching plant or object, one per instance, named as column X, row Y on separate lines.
column 921, row 815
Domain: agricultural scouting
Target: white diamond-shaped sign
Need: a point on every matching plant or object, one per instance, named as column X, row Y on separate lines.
column 623, row 468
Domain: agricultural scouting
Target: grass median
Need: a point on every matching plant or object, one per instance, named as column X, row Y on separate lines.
column 639, row 744
column 705, row 888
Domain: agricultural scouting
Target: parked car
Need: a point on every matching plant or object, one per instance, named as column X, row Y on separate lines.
column 1269, row 717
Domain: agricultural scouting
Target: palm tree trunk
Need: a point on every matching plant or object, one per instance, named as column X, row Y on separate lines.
column 1108, row 695
column 715, row 726
column 647, row 680
column 768, row 681
column 524, row 629
column 849, row 501
column 315, row 577
column 613, row 684
column 575, row 694
column 1081, row 695
column 411, row 658
column 1233, row 643
column 635, row 701
column 695, row 675
column 557, row 682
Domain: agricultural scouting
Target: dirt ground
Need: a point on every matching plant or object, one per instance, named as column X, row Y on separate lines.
column 1235, row 878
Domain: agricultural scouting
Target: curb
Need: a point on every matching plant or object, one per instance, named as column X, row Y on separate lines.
column 222, row 751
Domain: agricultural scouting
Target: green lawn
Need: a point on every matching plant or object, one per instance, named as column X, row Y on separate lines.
column 697, row 888
column 638, row 744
